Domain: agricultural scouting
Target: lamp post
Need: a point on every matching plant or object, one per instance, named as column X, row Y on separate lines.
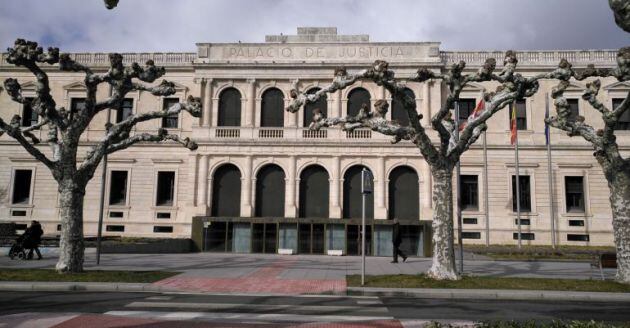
column 366, row 188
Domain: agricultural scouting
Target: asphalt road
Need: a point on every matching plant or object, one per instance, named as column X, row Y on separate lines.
column 297, row 309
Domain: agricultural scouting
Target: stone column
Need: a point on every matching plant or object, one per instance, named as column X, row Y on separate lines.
column 426, row 104
column 202, row 191
column 250, row 113
column 207, row 104
column 426, row 210
column 290, row 209
column 335, row 196
column 246, row 189
column 380, row 211
column 336, row 110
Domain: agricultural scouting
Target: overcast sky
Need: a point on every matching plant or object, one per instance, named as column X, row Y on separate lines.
column 175, row 25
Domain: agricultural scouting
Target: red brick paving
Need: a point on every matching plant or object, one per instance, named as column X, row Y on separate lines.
column 263, row 280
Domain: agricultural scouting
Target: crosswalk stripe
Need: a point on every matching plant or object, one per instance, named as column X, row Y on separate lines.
column 244, row 317
column 159, row 298
column 260, row 307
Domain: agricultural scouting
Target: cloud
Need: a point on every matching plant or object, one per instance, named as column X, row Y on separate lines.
column 167, row 25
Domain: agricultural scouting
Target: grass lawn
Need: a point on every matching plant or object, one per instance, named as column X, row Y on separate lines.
column 421, row 281
column 87, row 276
column 531, row 252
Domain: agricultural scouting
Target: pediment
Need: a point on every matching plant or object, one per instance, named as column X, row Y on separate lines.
column 28, row 86
column 575, row 87
column 78, row 85
column 179, row 86
column 618, row 86
column 471, row 86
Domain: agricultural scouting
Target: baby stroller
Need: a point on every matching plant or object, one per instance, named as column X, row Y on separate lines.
column 18, row 250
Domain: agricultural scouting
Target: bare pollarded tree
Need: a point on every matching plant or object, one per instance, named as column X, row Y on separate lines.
column 441, row 157
column 66, row 126
column 621, row 11
column 616, row 168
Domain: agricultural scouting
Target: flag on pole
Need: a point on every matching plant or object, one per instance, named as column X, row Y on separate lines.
column 513, row 131
column 481, row 106
column 546, row 124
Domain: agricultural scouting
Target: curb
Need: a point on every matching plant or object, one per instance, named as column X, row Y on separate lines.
column 491, row 294
column 479, row 294
column 83, row 287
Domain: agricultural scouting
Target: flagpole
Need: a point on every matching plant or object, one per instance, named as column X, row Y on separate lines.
column 550, row 175
column 485, row 188
column 517, row 175
column 458, row 191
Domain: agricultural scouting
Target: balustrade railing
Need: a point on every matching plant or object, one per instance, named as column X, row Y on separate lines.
column 314, row 134
column 359, row 134
column 102, row 59
column 534, row 57
column 270, row 133
column 227, row 133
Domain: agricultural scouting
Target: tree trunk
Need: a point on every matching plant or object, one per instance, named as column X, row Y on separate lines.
column 71, row 245
column 620, row 202
column 443, row 266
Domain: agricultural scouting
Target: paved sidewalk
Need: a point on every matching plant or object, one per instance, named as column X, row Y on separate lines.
column 278, row 274
column 224, row 265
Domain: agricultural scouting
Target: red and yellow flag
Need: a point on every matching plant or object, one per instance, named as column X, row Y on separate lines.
column 513, row 131
column 481, row 106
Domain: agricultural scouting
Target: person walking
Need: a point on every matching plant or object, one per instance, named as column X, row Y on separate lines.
column 396, row 241
column 32, row 239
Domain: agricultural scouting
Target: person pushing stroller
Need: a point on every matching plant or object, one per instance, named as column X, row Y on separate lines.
column 30, row 239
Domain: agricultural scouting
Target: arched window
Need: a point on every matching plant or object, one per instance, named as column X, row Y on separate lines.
column 352, row 198
column 270, row 191
column 229, row 108
column 403, row 194
column 399, row 113
column 226, row 191
column 272, row 108
column 356, row 98
column 321, row 104
column 314, row 192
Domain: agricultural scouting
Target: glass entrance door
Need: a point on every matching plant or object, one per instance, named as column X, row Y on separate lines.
column 264, row 237
column 311, row 238
column 353, row 239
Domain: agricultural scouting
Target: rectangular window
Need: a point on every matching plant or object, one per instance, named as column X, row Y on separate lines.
column 469, row 192
column 165, row 188
column 162, row 229
column 163, row 215
column 29, row 116
column 22, row 187
column 524, row 194
column 118, row 187
column 624, row 120
column 469, row 220
column 116, row 215
column 471, row 235
column 576, row 223
column 169, row 122
column 524, row 236
column 576, row 237
column 115, row 228
column 523, row 222
column 76, row 105
column 574, row 108
column 521, row 115
column 125, row 110
column 574, row 192
column 466, row 108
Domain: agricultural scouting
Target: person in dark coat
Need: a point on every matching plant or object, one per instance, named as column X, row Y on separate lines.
column 396, row 241
column 32, row 239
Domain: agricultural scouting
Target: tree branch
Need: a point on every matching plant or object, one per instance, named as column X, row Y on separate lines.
column 147, row 137
column 19, row 135
column 366, row 119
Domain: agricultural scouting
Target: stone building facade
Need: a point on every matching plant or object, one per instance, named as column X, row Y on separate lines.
column 261, row 181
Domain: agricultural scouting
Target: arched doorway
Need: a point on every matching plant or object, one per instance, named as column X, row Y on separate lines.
column 270, row 186
column 352, row 197
column 403, row 202
column 321, row 104
column 226, row 191
column 356, row 98
column 314, row 192
column 272, row 108
column 229, row 108
column 399, row 113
